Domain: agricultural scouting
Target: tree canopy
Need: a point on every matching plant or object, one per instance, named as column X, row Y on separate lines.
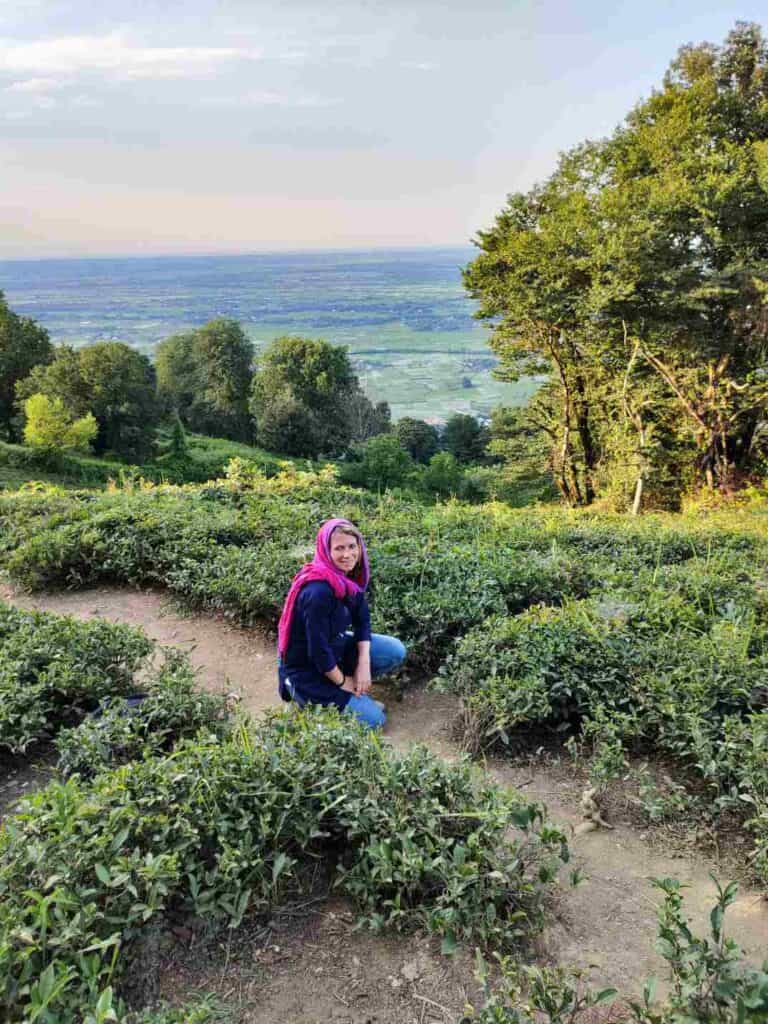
column 465, row 437
column 109, row 379
column 419, row 438
column 205, row 377
column 23, row 344
column 52, row 429
column 380, row 463
column 306, row 399
column 636, row 277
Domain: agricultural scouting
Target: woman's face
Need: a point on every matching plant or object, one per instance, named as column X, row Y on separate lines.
column 345, row 550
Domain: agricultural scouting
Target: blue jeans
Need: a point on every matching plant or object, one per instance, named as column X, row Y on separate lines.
column 387, row 652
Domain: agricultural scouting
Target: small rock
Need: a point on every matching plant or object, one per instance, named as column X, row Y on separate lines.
column 411, row 971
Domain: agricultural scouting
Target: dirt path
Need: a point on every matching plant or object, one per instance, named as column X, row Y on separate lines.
column 608, row 921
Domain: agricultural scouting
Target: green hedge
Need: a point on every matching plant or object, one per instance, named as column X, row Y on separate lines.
column 221, row 829
column 657, row 671
column 54, row 669
column 172, row 709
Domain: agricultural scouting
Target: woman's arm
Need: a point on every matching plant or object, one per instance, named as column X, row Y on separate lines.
column 337, row 677
column 316, row 606
column 361, row 620
column 362, row 676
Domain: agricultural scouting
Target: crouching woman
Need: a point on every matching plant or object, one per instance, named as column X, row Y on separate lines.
column 327, row 653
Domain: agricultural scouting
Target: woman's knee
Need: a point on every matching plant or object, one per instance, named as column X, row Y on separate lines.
column 387, row 653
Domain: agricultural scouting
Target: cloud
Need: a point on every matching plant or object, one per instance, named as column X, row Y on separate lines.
column 34, row 85
column 270, row 99
column 115, row 55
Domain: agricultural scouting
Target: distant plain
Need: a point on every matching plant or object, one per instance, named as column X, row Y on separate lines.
column 403, row 314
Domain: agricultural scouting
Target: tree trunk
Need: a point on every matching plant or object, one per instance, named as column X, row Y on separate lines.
column 567, row 469
column 587, row 441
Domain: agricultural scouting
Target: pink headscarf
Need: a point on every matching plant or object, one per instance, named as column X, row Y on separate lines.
column 322, row 568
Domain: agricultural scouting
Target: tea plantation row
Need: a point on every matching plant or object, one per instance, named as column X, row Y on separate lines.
column 644, row 634
column 227, row 823
column 87, row 864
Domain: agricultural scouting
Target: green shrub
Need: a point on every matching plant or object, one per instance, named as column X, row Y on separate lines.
column 650, row 632
column 172, row 709
column 709, row 981
column 220, row 829
column 55, row 669
column 653, row 672
column 204, row 1011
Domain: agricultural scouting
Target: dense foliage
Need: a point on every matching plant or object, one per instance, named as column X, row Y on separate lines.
column 221, row 829
column 306, row 399
column 23, row 345
column 635, row 277
column 110, row 380
column 465, row 438
column 200, row 459
column 633, row 635
column 49, row 427
column 205, row 375
column 169, row 708
column 54, row 670
column 420, row 439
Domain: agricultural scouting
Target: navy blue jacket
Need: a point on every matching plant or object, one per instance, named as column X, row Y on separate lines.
column 325, row 632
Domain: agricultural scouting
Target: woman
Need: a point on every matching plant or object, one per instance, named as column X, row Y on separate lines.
column 328, row 654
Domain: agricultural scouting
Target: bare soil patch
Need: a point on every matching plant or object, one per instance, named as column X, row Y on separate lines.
column 608, row 921
column 309, row 967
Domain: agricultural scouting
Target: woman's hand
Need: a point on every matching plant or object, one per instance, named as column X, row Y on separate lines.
column 362, row 680
column 362, row 676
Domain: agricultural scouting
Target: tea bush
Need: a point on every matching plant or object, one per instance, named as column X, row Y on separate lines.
column 54, row 669
column 233, row 547
column 221, row 829
column 204, row 1011
column 171, row 709
column 709, row 981
column 246, row 584
column 549, row 616
column 658, row 672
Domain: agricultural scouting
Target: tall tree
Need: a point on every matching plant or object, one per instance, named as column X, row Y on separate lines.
column 179, row 381
column 367, row 419
column 636, row 277
column 688, row 280
column 465, row 438
column 224, row 355
column 114, row 382
column 419, row 438
column 533, row 278
column 23, row 345
column 205, row 376
column 306, row 389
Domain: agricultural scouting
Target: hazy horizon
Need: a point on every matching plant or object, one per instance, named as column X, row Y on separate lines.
column 209, row 127
column 402, row 314
column 205, row 254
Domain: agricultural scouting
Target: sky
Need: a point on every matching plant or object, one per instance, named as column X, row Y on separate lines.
column 135, row 127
